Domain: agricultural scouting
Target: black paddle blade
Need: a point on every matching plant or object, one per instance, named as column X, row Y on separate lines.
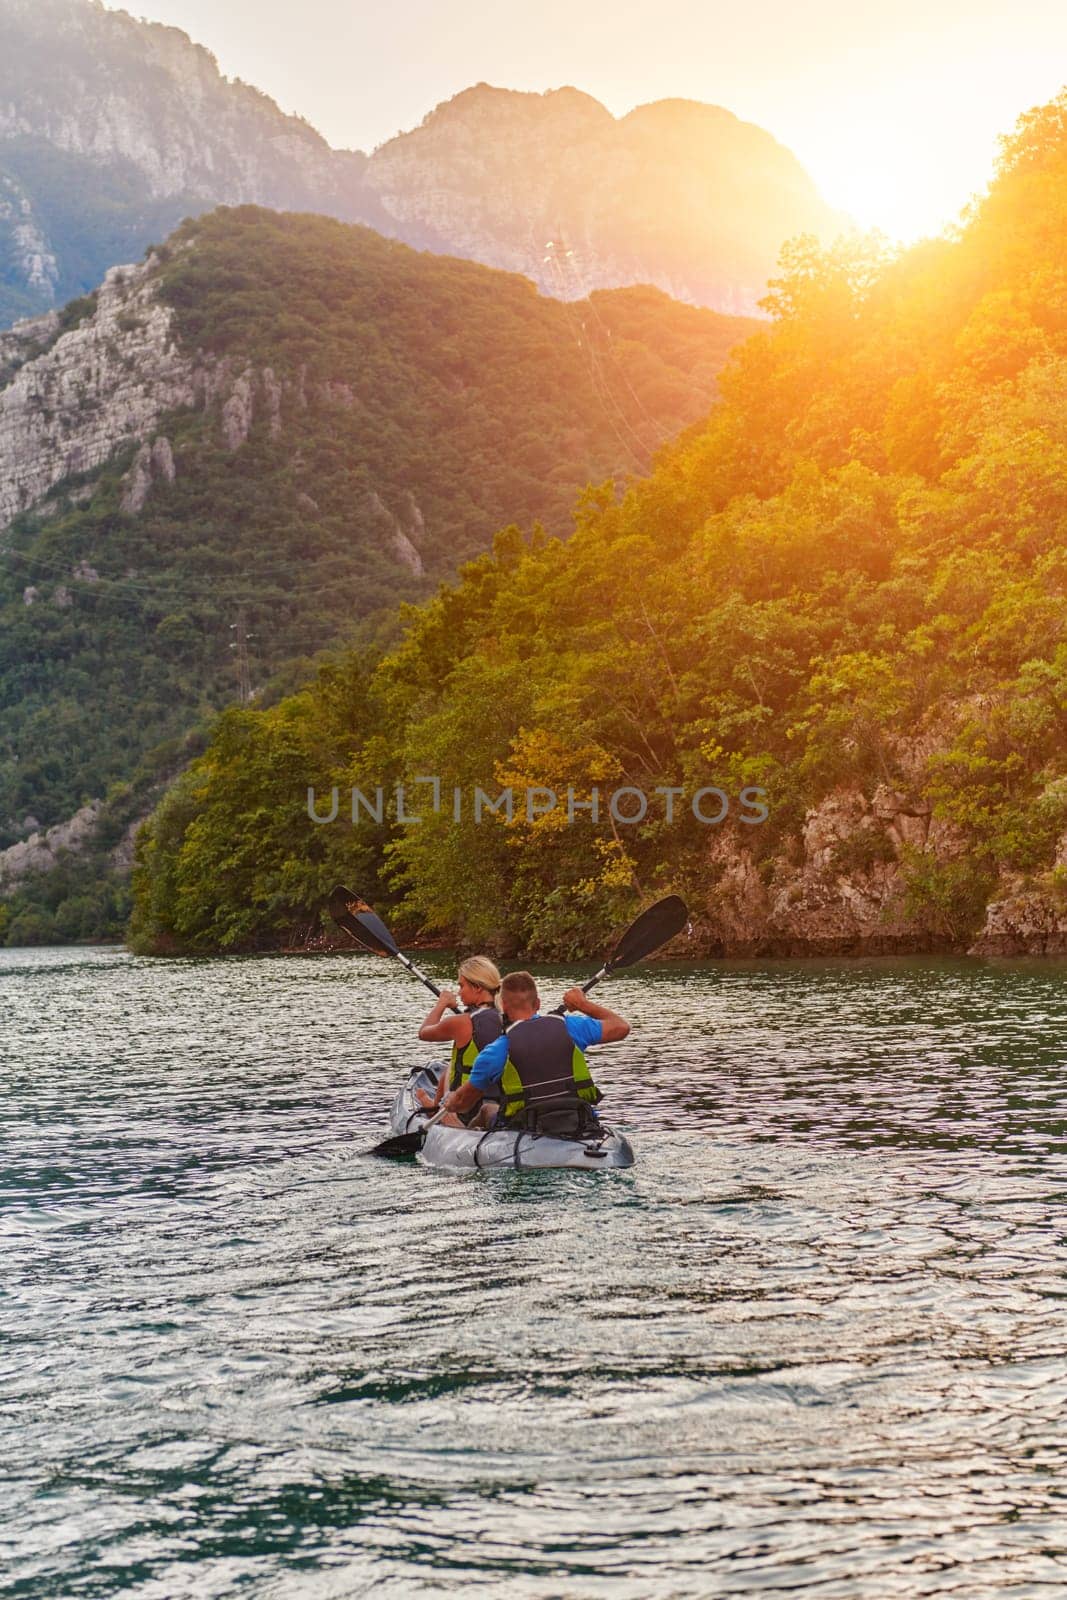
column 652, row 928
column 401, row 1144
column 352, row 913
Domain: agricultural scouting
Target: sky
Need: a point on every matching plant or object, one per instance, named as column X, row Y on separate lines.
column 894, row 108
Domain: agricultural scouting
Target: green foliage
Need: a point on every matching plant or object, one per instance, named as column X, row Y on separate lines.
column 232, row 854
column 862, row 850
column 853, row 573
column 80, row 901
column 75, row 312
column 948, row 898
column 422, row 392
column 86, row 898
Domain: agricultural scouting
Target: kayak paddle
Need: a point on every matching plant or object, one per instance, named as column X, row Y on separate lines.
column 405, row 1144
column 648, row 932
column 359, row 920
column 651, row 929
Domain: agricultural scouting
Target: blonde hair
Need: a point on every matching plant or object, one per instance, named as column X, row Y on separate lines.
column 481, row 971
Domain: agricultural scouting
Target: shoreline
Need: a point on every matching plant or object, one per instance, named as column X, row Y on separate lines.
column 873, row 950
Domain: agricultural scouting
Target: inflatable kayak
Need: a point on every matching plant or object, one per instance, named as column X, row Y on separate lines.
column 461, row 1148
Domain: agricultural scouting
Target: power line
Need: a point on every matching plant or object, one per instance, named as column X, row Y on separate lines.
column 664, row 435
column 595, row 377
column 563, row 265
column 125, row 591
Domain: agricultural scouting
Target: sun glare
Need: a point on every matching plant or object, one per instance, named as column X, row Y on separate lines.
column 906, row 153
column 906, row 201
column 898, row 174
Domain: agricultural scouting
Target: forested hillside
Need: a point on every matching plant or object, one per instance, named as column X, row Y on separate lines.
column 369, row 417
column 849, row 588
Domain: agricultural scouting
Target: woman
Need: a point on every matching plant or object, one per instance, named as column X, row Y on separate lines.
column 477, row 1025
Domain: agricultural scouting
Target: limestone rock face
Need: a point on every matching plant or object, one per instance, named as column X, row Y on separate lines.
column 1028, row 917
column 123, row 853
column 102, row 385
column 838, row 888
column 272, row 395
column 152, row 461
column 28, row 246
column 237, row 413
column 119, row 89
column 78, row 397
column 41, row 851
column 400, row 529
column 138, row 482
column 163, row 459
column 27, row 338
column 1024, row 922
column 136, row 128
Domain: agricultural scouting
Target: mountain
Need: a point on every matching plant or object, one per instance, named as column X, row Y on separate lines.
column 678, row 194
column 843, row 597
column 274, row 428
column 112, row 130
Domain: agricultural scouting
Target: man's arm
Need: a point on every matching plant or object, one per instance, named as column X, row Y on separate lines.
column 465, row 1098
column 612, row 1026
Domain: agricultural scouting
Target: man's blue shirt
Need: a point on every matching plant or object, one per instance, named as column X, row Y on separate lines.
column 489, row 1063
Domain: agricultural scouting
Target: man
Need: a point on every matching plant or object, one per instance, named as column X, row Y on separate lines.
column 537, row 1070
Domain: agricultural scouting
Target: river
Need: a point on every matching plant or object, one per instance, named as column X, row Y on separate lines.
column 814, row 1342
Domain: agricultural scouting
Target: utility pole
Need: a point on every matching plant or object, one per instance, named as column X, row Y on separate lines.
column 240, row 644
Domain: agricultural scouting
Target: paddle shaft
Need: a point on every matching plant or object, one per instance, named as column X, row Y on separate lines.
column 641, row 938
column 560, row 1011
column 377, row 939
column 413, row 969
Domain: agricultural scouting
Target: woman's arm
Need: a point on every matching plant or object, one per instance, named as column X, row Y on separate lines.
column 437, row 1027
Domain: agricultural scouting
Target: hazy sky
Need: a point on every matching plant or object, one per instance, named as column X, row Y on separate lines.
column 893, row 107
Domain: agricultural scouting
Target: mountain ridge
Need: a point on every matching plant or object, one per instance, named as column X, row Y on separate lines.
column 113, row 129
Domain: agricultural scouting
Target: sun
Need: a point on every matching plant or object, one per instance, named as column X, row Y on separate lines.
column 900, row 179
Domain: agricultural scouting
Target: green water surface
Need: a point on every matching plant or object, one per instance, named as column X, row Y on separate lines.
column 814, row 1343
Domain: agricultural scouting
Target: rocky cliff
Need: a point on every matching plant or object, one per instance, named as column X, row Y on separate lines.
column 111, row 130
column 836, row 889
column 78, row 396
column 96, row 83
column 843, row 885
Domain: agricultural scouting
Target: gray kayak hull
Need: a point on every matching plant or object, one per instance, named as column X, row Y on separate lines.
column 474, row 1149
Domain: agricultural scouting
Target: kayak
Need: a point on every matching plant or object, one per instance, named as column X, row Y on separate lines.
column 477, row 1148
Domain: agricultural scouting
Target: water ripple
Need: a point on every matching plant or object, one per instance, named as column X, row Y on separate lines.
column 812, row 1342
